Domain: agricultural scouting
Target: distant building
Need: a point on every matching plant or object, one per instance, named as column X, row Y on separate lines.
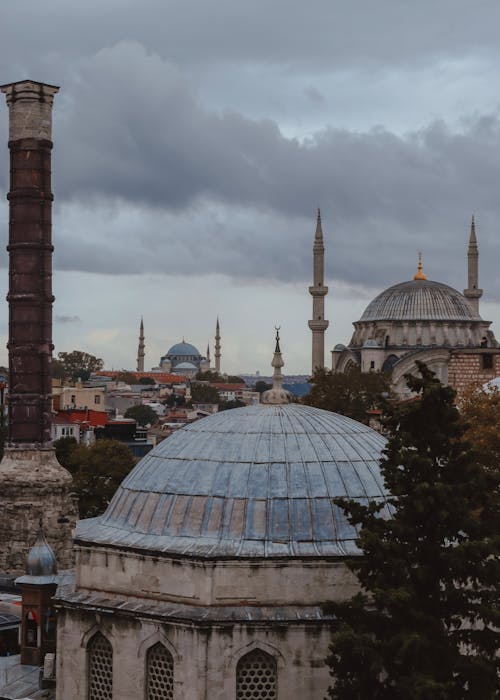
column 422, row 320
column 184, row 358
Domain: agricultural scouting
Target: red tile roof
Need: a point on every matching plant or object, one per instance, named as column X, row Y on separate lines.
column 96, row 419
column 159, row 377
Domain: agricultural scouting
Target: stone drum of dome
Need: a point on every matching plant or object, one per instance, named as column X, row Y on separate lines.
column 251, row 482
column 419, row 300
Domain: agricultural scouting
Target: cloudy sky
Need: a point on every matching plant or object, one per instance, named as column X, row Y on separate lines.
column 194, row 140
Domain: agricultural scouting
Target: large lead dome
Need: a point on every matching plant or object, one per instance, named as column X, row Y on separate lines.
column 419, row 300
column 257, row 481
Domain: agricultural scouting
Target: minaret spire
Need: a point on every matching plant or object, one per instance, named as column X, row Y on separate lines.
column 217, row 346
column 473, row 293
column 318, row 291
column 141, row 349
column 276, row 395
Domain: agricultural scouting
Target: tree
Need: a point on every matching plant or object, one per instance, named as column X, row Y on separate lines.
column 425, row 626
column 144, row 415
column 65, row 447
column 208, row 376
column 126, row 377
column 97, row 472
column 79, row 365
column 352, row 393
column 262, row 386
column 147, row 380
column 203, row 393
column 227, row 405
column 481, row 411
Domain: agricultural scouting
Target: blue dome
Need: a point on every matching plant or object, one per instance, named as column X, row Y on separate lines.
column 257, row 481
column 183, row 349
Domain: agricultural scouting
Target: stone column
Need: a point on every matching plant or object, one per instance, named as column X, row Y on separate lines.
column 32, row 481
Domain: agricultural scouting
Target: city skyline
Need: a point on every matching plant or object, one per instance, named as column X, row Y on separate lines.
column 193, row 146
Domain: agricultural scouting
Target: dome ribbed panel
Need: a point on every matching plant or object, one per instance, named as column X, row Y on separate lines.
column 250, row 482
column 419, row 300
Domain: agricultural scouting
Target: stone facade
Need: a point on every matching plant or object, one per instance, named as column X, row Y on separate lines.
column 208, row 615
column 34, row 486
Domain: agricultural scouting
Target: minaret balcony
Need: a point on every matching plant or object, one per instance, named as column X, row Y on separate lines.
column 473, row 293
column 318, row 325
column 320, row 291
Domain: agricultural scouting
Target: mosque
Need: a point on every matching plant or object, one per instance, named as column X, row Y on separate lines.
column 415, row 320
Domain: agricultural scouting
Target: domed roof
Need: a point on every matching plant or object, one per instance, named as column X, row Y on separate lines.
column 186, row 365
column 183, row 349
column 41, row 563
column 419, row 300
column 257, row 481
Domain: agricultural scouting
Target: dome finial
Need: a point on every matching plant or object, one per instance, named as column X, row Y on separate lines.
column 419, row 275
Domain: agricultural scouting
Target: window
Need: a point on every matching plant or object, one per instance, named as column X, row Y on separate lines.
column 31, row 629
column 100, row 668
column 159, row 674
column 256, row 677
column 97, row 398
column 372, row 364
column 487, row 361
column 73, row 398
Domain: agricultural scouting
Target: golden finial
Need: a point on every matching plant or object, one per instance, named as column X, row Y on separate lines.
column 419, row 275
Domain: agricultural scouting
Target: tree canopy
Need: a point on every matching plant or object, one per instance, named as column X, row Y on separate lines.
column 204, row 393
column 126, row 377
column 79, row 365
column 352, row 393
column 481, row 411
column 97, row 471
column 144, row 415
column 425, row 626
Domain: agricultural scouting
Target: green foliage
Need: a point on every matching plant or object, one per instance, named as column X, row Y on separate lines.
column 227, row 405
column 144, row 415
column 97, row 471
column 204, row 393
column 79, row 365
column 65, row 447
column 147, row 380
column 351, row 393
column 58, row 371
column 208, row 376
column 425, row 626
column 262, row 386
column 126, row 377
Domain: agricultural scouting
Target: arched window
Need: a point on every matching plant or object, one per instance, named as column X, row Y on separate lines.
column 100, row 668
column 159, row 673
column 31, row 629
column 256, row 677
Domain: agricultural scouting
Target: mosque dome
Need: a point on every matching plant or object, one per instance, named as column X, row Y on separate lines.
column 419, row 300
column 180, row 349
column 186, row 365
column 257, row 481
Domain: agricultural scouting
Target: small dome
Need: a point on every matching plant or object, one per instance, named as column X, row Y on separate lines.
column 419, row 300
column 183, row 349
column 339, row 347
column 371, row 343
column 186, row 365
column 258, row 481
column 41, row 559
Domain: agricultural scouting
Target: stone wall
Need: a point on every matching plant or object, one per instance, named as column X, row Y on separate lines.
column 34, row 486
column 472, row 366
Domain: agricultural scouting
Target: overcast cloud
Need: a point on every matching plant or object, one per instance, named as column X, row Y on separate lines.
column 196, row 139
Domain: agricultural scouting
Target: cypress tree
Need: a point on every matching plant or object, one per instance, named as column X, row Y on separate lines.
column 425, row 625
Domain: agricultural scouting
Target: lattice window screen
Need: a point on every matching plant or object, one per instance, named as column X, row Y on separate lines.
column 256, row 677
column 100, row 655
column 159, row 674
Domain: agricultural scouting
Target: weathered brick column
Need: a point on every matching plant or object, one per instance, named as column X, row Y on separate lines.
column 32, row 482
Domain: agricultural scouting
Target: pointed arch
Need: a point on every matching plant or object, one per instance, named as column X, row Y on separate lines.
column 159, row 674
column 257, row 676
column 158, row 636
column 99, row 668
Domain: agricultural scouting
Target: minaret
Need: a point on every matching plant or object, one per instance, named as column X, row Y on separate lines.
column 141, row 349
column 208, row 354
column 276, row 395
column 318, row 291
column 33, row 482
column 473, row 293
column 217, row 347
